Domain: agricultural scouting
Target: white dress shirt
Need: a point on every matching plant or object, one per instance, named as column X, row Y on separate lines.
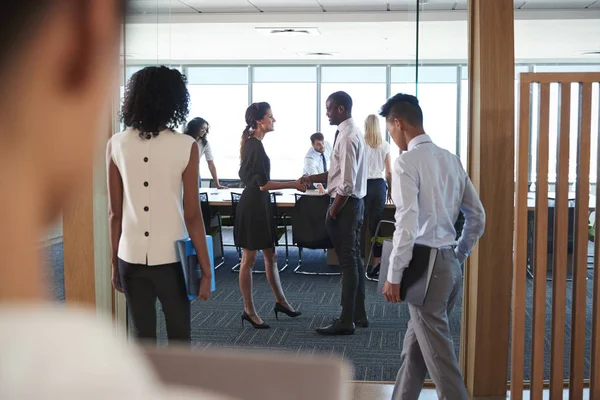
column 313, row 161
column 348, row 170
column 376, row 160
column 151, row 170
column 205, row 151
column 430, row 188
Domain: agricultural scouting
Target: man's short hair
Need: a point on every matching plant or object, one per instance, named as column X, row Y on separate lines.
column 403, row 106
column 342, row 99
column 316, row 136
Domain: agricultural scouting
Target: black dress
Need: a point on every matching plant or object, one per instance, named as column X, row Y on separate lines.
column 254, row 228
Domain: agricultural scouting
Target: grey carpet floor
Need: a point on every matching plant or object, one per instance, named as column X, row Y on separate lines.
column 374, row 352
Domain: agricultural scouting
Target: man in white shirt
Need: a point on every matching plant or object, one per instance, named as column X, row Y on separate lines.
column 317, row 159
column 347, row 185
column 430, row 188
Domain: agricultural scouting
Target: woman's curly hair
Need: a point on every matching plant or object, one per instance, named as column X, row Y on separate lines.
column 156, row 98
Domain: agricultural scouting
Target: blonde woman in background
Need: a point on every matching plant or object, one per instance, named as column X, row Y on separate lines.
column 379, row 181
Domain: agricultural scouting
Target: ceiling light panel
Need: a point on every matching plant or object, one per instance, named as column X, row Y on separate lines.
column 222, row 6
column 288, row 5
column 553, row 4
column 427, row 5
column 353, row 5
column 158, row 7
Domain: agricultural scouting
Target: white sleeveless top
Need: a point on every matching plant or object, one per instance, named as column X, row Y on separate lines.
column 151, row 170
column 376, row 160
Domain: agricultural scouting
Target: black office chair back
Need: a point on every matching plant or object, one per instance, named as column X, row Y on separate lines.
column 570, row 228
column 235, row 199
column 206, row 210
column 230, row 183
column 308, row 222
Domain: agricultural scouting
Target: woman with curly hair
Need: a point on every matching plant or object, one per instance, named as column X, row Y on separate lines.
column 198, row 129
column 149, row 166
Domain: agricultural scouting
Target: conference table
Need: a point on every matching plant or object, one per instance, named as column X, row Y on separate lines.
column 286, row 198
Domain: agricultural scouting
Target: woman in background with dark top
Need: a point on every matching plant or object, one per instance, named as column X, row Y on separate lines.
column 378, row 168
column 198, row 128
column 254, row 225
column 150, row 166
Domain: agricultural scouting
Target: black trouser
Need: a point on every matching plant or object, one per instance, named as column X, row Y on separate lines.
column 142, row 285
column 344, row 232
column 374, row 205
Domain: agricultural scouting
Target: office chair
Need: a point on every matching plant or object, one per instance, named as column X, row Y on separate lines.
column 212, row 225
column 308, row 227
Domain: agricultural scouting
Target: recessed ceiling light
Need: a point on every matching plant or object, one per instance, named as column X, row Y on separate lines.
column 317, row 54
column 288, row 31
column 591, row 53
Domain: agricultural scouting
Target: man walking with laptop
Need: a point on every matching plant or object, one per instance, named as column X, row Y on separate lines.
column 430, row 188
column 347, row 185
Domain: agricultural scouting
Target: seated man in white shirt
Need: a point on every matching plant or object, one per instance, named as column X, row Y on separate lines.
column 429, row 188
column 318, row 158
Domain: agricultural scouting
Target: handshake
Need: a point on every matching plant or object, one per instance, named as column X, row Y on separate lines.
column 305, row 181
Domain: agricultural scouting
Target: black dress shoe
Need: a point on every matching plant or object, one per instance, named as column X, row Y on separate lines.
column 359, row 323
column 362, row 323
column 337, row 328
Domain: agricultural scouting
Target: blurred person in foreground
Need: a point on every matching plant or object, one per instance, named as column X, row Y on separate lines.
column 57, row 59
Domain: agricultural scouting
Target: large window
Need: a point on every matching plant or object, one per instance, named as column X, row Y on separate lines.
column 367, row 87
column 438, row 98
column 220, row 96
column 298, row 95
column 292, row 94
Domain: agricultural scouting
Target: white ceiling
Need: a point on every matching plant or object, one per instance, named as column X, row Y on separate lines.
column 257, row 6
column 213, row 31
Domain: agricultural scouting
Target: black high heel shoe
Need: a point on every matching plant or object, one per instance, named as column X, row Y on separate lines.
column 246, row 317
column 280, row 308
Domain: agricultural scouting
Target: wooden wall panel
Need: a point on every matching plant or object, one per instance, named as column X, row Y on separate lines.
column 559, row 253
column 520, row 257
column 540, row 247
column 578, row 325
column 78, row 239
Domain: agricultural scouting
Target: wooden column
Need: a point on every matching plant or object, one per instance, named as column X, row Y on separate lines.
column 488, row 276
column 78, row 237
column 85, row 235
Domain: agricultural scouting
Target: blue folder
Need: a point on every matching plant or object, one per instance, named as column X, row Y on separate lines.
column 191, row 266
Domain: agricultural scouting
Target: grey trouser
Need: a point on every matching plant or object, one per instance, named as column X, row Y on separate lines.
column 427, row 344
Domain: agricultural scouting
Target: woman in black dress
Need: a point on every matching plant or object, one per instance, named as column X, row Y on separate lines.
column 254, row 229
